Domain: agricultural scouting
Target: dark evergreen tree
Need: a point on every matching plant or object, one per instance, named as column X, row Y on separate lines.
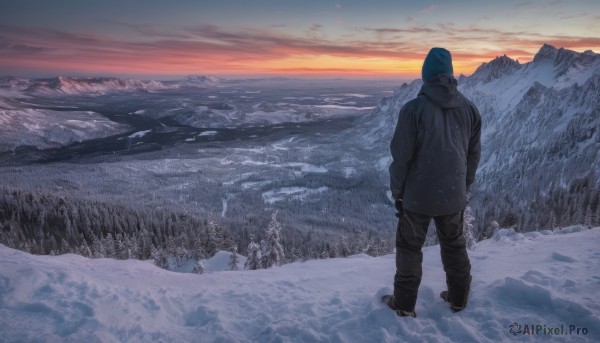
column 254, row 260
column 233, row 259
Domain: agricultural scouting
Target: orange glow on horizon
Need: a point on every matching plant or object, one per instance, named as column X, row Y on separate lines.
column 293, row 64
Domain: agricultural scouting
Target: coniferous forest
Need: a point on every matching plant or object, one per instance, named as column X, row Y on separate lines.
column 42, row 223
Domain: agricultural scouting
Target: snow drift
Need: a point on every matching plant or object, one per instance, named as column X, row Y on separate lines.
column 546, row 279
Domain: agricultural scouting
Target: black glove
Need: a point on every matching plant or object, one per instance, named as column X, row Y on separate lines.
column 469, row 194
column 399, row 208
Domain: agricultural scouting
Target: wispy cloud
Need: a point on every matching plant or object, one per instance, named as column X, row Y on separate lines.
column 315, row 32
column 20, row 49
column 429, row 9
column 573, row 16
column 267, row 50
column 151, row 31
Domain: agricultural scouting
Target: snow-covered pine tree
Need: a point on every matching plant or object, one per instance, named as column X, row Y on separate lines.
column 98, row 248
column 468, row 219
column 360, row 243
column 109, row 246
column 64, row 246
column 273, row 251
column 213, row 243
column 254, row 256
column 52, row 246
column 199, row 267
column 160, row 259
column 325, row 252
column 297, row 254
column 343, row 247
column 490, row 230
column 233, row 259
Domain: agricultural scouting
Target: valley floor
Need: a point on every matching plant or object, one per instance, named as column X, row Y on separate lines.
column 547, row 279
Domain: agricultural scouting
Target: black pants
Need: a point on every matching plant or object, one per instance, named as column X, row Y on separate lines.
column 410, row 237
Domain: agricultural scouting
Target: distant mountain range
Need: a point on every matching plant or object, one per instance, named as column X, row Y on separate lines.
column 541, row 144
column 79, row 85
column 99, row 85
column 11, row 86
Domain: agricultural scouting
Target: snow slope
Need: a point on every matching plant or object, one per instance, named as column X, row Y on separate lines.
column 49, row 129
column 542, row 279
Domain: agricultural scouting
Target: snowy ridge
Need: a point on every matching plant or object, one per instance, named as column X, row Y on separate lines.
column 547, row 278
column 74, row 86
column 382, row 121
column 498, row 67
column 45, row 129
column 95, row 85
column 201, row 79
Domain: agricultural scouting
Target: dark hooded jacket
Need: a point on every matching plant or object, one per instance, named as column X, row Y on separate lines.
column 435, row 149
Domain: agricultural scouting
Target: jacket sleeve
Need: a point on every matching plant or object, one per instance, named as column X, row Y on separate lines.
column 474, row 148
column 402, row 148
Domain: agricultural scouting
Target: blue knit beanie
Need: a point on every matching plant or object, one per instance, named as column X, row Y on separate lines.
column 438, row 61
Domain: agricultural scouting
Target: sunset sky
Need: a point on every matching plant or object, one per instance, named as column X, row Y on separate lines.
column 388, row 38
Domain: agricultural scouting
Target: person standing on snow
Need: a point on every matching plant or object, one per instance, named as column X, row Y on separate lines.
column 435, row 153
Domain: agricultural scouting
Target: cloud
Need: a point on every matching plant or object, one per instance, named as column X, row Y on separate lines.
column 429, row 9
column 315, row 31
column 222, row 50
column 150, row 31
column 573, row 16
column 390, row 30
column 338, row 6
column 23, row 49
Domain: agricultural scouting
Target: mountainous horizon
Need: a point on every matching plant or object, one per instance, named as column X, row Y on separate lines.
column 208, row 76
column 539, row 132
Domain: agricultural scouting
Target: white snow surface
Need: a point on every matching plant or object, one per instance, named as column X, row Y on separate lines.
column 298, row 193
column 548, row 278
column 48, row 128
column 207, row 133
column 139, row 134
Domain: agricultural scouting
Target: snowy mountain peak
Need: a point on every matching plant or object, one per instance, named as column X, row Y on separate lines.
column 202, row 79
column 560, row 56
column 546, row 52
column 496, row 68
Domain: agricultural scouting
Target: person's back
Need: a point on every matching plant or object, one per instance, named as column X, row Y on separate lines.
column 435, row 151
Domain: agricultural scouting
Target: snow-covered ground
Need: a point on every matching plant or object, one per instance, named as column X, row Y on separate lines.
column 44, row 128
column 546, row 279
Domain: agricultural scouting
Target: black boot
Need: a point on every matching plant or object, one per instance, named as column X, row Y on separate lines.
column 389, row 300
column 460, row 295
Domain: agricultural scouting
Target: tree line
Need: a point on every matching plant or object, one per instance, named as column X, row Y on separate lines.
column 43, row 223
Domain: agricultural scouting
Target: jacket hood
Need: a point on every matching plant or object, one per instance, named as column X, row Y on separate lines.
column 437, row 62
column 441, row 90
